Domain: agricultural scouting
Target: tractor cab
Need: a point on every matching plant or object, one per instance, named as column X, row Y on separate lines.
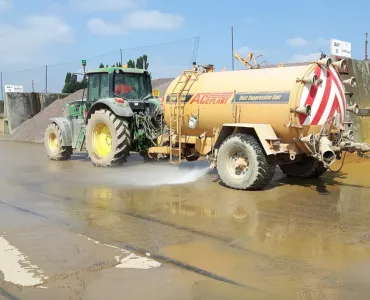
column 131, row 85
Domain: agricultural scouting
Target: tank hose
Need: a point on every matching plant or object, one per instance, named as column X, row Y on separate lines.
column 344, row 158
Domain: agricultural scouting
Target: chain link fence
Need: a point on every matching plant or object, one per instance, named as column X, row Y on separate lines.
column 165, row 60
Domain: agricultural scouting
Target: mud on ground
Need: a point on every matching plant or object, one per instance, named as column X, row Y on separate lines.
column 72, row 231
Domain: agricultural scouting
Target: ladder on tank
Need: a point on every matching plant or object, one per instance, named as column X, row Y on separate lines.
column 177, row 102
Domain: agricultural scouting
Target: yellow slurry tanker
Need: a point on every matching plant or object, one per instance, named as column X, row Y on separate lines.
column 248, row 121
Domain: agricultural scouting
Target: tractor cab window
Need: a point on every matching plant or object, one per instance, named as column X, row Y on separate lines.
column 98, row 87
column 131, row 85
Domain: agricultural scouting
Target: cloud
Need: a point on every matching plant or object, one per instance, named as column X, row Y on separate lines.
column 89, row 6
column 100, row 27
column 313, row 56
column 297, row 42
column 322, row 42
column 244, row 51
column 137, row 20
column 5, row 4
column 25, row 44
column 248, row 20
column 153, row 19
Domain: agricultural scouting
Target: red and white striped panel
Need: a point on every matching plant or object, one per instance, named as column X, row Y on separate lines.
column 326, row 100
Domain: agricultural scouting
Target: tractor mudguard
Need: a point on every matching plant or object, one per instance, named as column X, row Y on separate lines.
column 65, row 128
column 119, row 109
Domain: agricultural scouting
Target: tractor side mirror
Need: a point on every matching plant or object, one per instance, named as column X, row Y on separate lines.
column 74, row 78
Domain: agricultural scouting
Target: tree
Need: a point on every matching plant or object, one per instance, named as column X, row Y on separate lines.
column 118, row 65
column 101, row 65
column 142, row 62
column 131, row 64
column 70, row 86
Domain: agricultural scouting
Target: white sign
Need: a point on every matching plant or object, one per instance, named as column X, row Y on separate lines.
column 13, row 89
column 340, row 48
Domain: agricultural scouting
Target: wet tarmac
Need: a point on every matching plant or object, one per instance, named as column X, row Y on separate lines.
column 158, row 231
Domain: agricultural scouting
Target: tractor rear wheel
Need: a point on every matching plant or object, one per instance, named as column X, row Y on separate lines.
column 309, row 167
column 108, row 138
column 53, row 144
column 242, row 163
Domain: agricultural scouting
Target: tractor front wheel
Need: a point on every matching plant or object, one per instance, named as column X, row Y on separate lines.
column 108, row 138
column 53, row 144
column 242, row 163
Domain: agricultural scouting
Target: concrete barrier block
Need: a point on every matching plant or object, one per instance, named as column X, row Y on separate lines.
column 20, row 107
column 1, row 109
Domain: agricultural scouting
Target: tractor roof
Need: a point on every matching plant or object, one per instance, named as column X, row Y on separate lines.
column 112, row 69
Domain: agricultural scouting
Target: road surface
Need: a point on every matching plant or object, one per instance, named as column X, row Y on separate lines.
column 72, row 231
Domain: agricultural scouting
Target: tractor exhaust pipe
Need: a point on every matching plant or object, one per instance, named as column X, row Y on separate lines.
column 327, row 154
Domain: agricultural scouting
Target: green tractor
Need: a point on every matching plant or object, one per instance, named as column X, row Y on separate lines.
column 119, row 115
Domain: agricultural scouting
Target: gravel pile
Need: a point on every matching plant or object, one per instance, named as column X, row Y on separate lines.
column 33, row 129
column 161, row 84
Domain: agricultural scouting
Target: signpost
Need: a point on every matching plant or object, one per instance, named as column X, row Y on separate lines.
column 84, row 64
column 13, row 89
column 340, row 48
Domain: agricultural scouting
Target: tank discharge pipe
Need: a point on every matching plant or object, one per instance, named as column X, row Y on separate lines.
column 341, row 64
column 325, row 62
column 305, row 110
column 354, row 109
column 351, row 82
column 327, row 154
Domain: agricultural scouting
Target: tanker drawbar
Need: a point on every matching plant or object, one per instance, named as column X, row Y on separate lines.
column 247, row 122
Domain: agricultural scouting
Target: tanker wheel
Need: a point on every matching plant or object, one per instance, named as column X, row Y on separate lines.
column 53, row 144
column 309, row 167
column 108, row 139
column 242, row 163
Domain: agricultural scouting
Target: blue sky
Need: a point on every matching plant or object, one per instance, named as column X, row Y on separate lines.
column 39, row 32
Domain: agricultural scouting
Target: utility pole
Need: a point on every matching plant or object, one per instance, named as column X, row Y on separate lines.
column 1, row 82
column 232, row 47
column 46, row 79
column 33, row 86
column 366, row 43
column 120, row 50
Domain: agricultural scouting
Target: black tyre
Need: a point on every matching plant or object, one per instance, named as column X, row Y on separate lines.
column 108, row 138
column 255, row 174
column 192, row 157
column 53, row 144
column 153, row 157
column 309, row 167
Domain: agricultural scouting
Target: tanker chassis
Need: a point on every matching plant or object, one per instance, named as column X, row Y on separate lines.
column 249, row 121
